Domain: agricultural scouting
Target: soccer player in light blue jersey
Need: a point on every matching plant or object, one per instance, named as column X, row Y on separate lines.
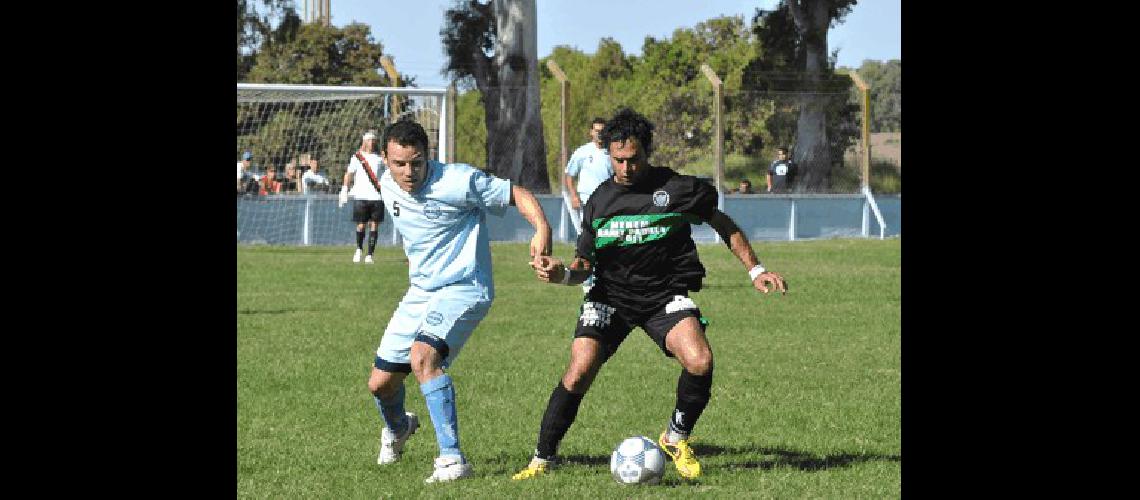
column 440, row 212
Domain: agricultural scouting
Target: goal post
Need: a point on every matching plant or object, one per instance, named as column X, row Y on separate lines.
column 283, row 126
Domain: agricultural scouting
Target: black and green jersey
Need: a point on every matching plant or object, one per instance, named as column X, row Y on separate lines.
column 639, row 238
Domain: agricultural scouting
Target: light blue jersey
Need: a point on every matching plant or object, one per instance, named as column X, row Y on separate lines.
column 443, row 224
column 591, row 165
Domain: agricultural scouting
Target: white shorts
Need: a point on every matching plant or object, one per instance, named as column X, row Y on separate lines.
column 449, row 313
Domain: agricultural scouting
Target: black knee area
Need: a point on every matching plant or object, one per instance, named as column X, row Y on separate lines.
column 435, row 342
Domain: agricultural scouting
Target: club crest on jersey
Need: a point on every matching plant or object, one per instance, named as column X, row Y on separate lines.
column 432, row 210
column 434, row 318
column 660, row 198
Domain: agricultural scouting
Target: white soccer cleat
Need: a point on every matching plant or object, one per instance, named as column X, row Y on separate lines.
column 391, row 445
column 356, row 256
column 449, row 469
column 368, row 259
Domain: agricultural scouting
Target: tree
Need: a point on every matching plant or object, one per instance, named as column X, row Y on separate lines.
column 495, row 44
column 322, row 55
column 255, row 28
column 794, row 40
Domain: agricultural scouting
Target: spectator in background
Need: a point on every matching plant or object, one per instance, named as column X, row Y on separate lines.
column 745, row 187
column 243, row 170
column 270, row 184
column 289, row 184
column 781, row 172
column 313, row 178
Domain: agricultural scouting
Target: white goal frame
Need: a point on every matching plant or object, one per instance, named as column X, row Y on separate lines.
column 446, row 119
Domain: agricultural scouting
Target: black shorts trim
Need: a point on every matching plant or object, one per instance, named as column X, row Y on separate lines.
column 436, row 343
column 389, row 366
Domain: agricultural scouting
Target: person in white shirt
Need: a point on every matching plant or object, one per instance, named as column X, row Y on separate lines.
column 363, row 174
column 312, row 176
column 589, row 166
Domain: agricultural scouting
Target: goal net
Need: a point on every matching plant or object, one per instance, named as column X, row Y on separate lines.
column 288, row 129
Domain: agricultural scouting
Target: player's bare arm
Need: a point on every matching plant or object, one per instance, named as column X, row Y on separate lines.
column 742, row 249
column 531, row 211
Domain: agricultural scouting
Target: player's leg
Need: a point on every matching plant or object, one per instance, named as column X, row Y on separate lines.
column 359, row 216
column 598, row 334
column 679, row 331
column 390, row 368
column 454, row 312
column 375, row 217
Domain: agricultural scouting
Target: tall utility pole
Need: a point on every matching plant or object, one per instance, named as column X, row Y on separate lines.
column 318, row 11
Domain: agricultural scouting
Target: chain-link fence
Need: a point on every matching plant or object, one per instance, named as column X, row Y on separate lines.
column 822, row 129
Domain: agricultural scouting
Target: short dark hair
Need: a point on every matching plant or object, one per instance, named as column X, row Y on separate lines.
column 597, row 120
column 746, row 181
column 406, row 133
column 625, row 124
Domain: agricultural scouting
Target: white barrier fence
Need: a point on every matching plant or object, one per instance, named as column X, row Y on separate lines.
column 317, row 220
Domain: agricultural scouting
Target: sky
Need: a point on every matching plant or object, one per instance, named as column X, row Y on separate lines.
column 409, row 30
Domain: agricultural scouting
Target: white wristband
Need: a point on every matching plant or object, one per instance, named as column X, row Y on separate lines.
column 565, row 276
column 755, row 271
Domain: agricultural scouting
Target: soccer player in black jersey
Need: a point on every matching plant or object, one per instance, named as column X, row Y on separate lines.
column 637, row 240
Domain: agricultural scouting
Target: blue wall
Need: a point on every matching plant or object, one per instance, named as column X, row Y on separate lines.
column 279, row 220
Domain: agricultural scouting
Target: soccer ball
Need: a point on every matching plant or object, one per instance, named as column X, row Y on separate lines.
column 637, row 460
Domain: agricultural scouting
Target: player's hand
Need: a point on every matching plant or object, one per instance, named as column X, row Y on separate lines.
column 343, row 196
column 575, row 202
column 548, row 269
column 768, row 277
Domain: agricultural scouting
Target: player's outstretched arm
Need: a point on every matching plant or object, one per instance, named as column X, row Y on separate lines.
column 552, row 270
column 742, row 249
column 531, row 211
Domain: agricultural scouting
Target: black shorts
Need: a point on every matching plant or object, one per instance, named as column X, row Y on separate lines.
column 609, row 320
column 367, row 211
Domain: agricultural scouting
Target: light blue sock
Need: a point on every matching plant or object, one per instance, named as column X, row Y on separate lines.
column 440, row 397
column 392, row 411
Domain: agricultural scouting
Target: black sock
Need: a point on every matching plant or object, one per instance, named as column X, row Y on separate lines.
column 693, row 394
column 560, row 413
column 371, row 242
column 360, row 239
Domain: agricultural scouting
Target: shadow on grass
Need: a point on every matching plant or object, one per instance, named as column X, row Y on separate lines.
column 784, row 458
column 267, row 311
column 737, row 457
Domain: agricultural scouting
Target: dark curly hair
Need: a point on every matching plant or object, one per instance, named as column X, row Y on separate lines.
column 628, row 123
column 405, row 133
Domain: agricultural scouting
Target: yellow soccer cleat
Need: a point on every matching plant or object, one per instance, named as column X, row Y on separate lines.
column 534, row 469
column 687, row 465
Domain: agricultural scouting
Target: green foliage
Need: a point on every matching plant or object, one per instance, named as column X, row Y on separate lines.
column 762, row 97
column 322, row 55
column 255, row 29
column 885, row 80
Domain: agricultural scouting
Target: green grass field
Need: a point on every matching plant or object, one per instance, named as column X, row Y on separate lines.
column 806, row 397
